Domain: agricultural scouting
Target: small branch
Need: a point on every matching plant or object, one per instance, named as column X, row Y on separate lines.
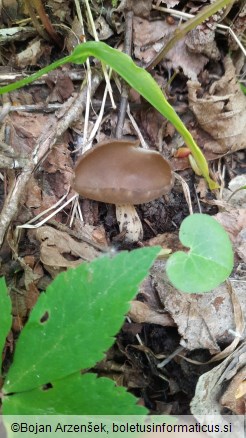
column 6, row 78
column 12, row 163
column 42, row 148
column 124, row 92
column 45, row 21
column 35, row 21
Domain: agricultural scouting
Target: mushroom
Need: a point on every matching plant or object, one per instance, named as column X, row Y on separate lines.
column 119, row 172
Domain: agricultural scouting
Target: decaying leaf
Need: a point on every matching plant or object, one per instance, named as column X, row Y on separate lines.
column 241, row 389
column 211, row 387
column 229, row 399
column 30, row 55
column 151, row 36
column 140, row 8
column 34, row 194
column 203, row 42
column 221, row 112
column 200, row 318
column 202, row 38
column 59, row 250
column 191, row 63
column 141, row 312
column 103, row 30
column 234, row 223
column 146, row 35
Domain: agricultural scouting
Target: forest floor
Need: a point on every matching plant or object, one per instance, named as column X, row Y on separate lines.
column 203, row 77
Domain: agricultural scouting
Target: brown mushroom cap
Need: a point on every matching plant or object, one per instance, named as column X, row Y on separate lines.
column 119, row 172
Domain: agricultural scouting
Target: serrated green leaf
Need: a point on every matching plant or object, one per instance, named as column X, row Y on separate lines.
column 73, row 323
column 6, row 317
column 210, row 259
column 75, row 395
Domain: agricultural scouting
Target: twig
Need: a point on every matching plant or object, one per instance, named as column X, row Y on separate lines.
column 41, row 149
column 124, row 89
column 46, row 141
column 6, row 78
column 45, row 21
column 35, row 21
column 133, row 121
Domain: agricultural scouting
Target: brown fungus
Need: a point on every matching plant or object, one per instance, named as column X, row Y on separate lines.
column 119, row 172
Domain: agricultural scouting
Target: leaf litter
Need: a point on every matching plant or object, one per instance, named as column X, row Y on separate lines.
column 205, row 82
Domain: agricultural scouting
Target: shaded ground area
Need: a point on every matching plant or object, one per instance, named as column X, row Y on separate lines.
column 203, row 78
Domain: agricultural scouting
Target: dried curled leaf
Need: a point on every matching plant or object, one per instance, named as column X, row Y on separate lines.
column 221, row 112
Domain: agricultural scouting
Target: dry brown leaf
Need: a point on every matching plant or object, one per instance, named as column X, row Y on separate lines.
column 234, row 223
column 210, row 387
column 26, row 128
column 75, row 34
column 60, row 160
column 60, row 9
column 152, row 123
column 103, row 30
column 30, row 55
column 34, row 194
column 241, row 245
column 202, row 188
column 61, row 86
column 140, row 8
column 146, row 34
column 202, row 42
column 150, row 36
column 141, row 312
column 31, row 296
column 191, row 63
column 241, row 389
column 201, row 318
column 229, row 399
column 58, row 249
column 221, row 112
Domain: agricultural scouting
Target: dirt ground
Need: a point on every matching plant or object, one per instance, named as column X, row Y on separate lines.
column 203, row 76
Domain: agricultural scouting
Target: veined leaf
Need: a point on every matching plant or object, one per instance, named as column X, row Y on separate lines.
column 73, row 324
column 74, row 395
column 210, row 258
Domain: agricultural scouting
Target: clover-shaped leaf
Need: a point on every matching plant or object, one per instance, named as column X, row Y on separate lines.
column 210, row 258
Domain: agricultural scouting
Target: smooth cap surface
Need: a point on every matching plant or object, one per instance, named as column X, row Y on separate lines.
column 119, row 172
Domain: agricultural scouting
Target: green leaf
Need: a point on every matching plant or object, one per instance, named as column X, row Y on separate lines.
column 243, row 88
column 210, row 259
column 136, row 77
column 73, row 323
column 6, row 317
column 75, row 395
